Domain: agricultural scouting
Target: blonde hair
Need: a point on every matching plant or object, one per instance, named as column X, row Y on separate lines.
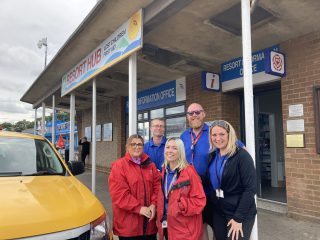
column 182, row 161
column 232, row 136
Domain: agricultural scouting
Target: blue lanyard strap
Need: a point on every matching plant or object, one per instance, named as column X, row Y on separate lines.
column 219, row 171
column 166, row 189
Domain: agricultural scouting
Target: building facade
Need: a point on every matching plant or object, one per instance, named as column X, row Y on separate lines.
column 286, row 106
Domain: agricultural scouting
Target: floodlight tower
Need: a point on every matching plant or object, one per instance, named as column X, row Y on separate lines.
column 43, row 42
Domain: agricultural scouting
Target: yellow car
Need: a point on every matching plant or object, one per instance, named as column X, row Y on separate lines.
column 39, row 196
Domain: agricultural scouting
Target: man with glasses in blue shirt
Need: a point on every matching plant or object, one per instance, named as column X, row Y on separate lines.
column 155, row 147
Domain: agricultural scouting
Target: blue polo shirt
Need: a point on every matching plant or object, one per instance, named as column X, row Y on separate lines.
column 156, row 153
column 200, row 149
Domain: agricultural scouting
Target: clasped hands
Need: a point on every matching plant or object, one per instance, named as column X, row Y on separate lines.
column 148, row 212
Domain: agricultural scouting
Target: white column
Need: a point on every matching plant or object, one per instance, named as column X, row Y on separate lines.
column 93, row 139
column 133, row 94
column 43, row 127
column 248, row 89
column 35, row 121
column 53, row 127
column 72, row 121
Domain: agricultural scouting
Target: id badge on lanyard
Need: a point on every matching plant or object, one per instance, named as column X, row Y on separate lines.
column 219, row 191
column 164, row 224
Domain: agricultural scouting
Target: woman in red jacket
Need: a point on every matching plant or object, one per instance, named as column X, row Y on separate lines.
column 134, row 183
column 182, row 199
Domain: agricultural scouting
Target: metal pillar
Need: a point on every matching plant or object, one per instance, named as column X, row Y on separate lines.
column 248, row 89
column 133, row 93
column 43, row 127
column 35, row 122
column 93, row 139
column 53, row 127
column 72, row 121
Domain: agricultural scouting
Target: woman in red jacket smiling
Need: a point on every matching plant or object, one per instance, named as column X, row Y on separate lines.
column 182, row 199
column 134, row 183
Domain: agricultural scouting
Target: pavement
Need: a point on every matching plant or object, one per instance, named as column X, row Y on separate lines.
column 271, row 225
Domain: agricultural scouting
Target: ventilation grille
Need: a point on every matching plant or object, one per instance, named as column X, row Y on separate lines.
column 230, row 19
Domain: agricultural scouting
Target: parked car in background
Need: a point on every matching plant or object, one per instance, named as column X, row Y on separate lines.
column 41, row 198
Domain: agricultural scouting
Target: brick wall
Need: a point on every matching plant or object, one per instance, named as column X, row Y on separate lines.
column 302, row 165
column 216, row 104
column 107, row 152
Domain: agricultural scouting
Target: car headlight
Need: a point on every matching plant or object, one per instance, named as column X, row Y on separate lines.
column 100, row 229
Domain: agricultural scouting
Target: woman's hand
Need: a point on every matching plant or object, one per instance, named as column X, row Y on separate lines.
column 152, row 209
column 235, row 229
column 145, row 211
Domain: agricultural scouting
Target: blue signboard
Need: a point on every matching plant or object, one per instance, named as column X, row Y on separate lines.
column 61, row 128
column 168, row 93
column 210, row 81
column 234, row 69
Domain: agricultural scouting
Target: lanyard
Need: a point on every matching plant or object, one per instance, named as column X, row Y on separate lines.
column 166, row 189
column 220, row 170
column 194, row 141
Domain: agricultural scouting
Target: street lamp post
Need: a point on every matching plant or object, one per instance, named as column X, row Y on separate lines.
column 43, row 42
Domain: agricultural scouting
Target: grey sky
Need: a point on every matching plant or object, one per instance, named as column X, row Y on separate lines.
column 22, row 24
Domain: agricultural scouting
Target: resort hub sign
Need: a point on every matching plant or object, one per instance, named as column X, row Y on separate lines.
column 124, row 41
column 267, row 65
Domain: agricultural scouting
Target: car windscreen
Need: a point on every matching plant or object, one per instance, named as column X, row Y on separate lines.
column 28, row 157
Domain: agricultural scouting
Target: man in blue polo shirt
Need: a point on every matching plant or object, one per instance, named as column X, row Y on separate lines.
column 196, row 143
column 155, row 147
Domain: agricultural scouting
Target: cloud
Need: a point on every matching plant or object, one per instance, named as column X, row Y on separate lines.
column 22, row 25
column 13, row 107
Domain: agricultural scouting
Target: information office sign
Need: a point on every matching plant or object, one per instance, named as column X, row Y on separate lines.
column 232, row 71
column 124, row 41
column 168, row 93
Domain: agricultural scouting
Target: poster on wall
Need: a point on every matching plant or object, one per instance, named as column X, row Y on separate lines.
column 107, row 132
column 98, row 133
column 87, row 133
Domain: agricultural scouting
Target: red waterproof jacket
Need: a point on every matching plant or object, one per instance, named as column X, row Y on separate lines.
column 131, row 187
column 186, row 201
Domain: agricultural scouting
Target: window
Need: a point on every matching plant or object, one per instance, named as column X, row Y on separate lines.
column 175, row 110
column 316, row 107
column 175, row 126
column 156, row 113
column 174, row 117
column 28, row 156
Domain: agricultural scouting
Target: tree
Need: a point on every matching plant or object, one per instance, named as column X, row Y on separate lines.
column 22, row 125
column 8, row 126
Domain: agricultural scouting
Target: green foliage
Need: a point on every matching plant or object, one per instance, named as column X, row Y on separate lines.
column 24, row 124
column 18, row 126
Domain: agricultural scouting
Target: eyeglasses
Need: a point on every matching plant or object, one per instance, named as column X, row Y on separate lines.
column 197, row 113
column 220, row 123
column 158, row 126
column 136, row 145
